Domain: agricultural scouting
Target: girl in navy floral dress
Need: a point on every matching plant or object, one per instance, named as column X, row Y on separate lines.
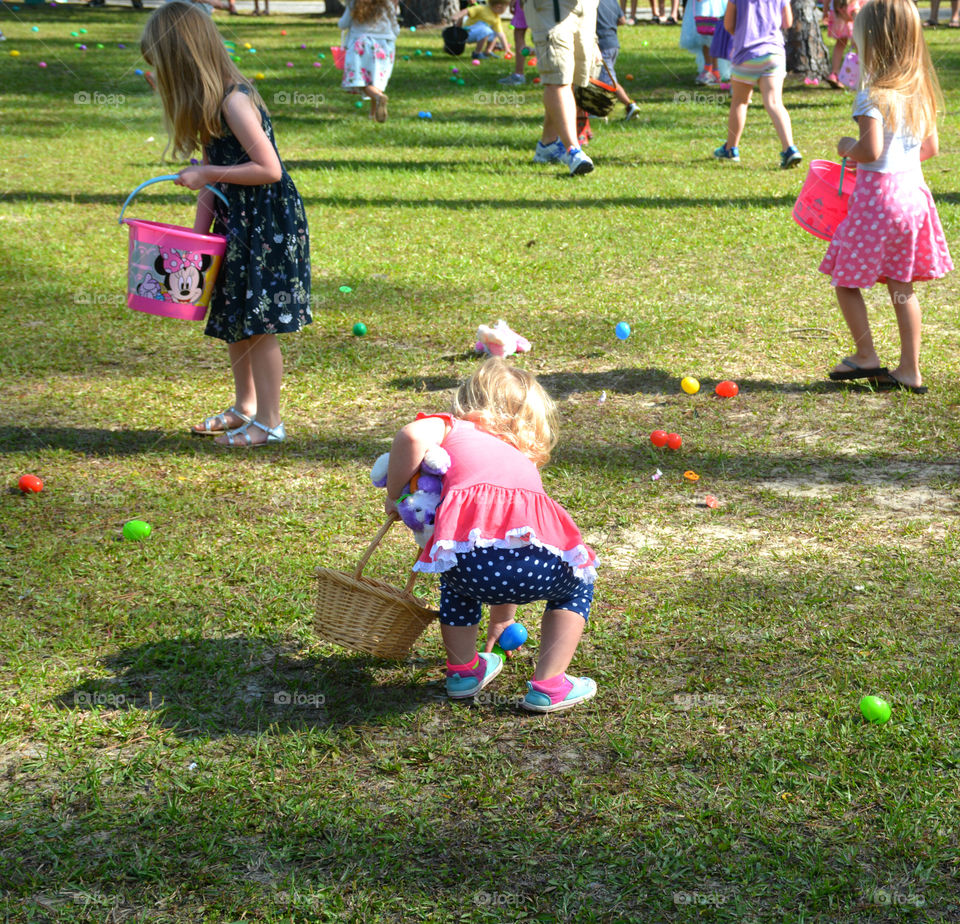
column 263, row 288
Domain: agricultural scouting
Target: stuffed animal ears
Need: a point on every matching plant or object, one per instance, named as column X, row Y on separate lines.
column 378, row 474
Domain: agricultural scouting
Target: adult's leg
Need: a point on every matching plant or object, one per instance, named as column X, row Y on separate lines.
column 560, row 116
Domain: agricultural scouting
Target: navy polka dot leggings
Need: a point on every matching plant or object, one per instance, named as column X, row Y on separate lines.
column 518, row 576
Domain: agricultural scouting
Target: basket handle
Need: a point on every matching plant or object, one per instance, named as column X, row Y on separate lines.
column 376, row 541
column 843, row 167
column 160, row 179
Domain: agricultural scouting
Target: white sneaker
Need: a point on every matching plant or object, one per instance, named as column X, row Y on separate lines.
column 578, row 162
column 513, row 80
column 552, row 153
column 632, row 110
column 709, row 79
column 702, row 77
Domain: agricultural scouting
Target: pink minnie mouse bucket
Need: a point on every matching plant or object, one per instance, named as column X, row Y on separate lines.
column 171, row 270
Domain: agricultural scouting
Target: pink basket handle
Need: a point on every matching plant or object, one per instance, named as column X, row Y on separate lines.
column 160, row 179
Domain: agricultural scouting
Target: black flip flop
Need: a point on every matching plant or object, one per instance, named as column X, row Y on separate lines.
column 856, row 372
column 889, row 381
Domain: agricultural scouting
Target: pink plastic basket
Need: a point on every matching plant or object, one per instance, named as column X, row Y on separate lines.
column 338, row 56
column 822, row 203
column 706, row 25
column 171, row 270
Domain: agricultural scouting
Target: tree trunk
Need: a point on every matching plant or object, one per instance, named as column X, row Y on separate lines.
column 806, row 54
column 428, row 12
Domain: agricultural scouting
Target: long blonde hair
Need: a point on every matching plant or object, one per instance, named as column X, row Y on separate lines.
column 895, row 66
column 511, row 404
column 193, row 73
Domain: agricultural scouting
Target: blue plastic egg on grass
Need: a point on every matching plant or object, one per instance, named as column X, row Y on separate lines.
column 622, row 330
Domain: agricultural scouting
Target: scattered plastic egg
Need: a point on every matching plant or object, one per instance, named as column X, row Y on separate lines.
column 136, row 529
column 727, row 389
column 875, row 709
column 30, row 484
column 674, row 441
column 359, row 329
column 711, row 502
column 690, row 385
column 622, row 330
column 659, row 438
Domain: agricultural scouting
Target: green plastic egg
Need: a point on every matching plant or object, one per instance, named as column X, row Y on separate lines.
column 875, row 709
column 136, row 529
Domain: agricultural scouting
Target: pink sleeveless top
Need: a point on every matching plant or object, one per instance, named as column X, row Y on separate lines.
column 493, row 498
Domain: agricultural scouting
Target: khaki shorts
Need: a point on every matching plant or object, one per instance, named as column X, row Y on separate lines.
column 565, row 49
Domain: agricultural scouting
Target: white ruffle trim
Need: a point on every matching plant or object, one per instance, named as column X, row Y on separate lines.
column 444, row 552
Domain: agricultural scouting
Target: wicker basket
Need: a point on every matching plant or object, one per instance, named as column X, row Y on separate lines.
column 366, row 614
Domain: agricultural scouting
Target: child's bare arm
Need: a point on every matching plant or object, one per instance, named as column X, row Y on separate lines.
column 408, row 449
column 930, row 146
column 204, row 217
column 868, row 147
column 263, row 166
column 730, row 18
column 787, row 15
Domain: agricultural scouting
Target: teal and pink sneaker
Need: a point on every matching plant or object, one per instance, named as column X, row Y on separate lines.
column 563, row 693
column 463, row 681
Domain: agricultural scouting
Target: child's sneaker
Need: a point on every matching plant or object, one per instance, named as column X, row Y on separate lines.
column 581, row 689
column 632, row 110
column 552, row 153
column 790, row 158
column 725, row 153
column 513, row 80
column 578, row 162
column 703, row 77
column 464, row 683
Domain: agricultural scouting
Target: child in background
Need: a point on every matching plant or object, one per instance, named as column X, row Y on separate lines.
column 892, row 232
column 609, row 16
column 263, row 288
column 758, row 58
column 499, row 538
column 695, row 38
column 519, row 24
column 484, row 25
column 370, row 50
column 839, row 17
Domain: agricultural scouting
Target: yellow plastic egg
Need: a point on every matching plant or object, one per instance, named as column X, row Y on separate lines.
column 690, row 385
column 247, row 45
column 258, row 76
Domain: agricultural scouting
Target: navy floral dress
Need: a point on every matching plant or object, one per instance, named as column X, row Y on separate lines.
column 264, row 282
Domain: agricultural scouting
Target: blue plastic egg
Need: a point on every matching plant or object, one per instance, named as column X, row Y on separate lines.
column 512, row 637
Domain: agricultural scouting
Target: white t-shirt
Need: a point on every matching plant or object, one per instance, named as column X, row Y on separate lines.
column 901, row 151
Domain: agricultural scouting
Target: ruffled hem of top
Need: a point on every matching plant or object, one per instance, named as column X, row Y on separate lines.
column 444, row 552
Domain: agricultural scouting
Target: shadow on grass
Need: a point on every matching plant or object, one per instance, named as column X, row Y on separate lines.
column 624, row 382
column 100, row 442
column 229, row 686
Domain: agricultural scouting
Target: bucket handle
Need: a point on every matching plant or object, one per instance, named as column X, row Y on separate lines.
column 843, row 167
column 160, row 179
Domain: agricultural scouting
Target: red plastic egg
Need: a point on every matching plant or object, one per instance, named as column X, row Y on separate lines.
column 727, row 389
column 674, row 440
column 30, row 484
column 659, row 438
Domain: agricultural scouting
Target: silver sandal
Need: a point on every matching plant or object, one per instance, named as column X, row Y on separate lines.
column 240, row 436
column 207, row 430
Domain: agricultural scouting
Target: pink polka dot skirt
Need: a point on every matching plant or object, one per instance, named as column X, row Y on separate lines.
column 891, row 232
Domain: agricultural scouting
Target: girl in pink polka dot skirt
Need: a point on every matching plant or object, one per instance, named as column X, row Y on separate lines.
column 892, row 233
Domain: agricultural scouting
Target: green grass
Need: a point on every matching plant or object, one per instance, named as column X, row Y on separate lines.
column 723, row 773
